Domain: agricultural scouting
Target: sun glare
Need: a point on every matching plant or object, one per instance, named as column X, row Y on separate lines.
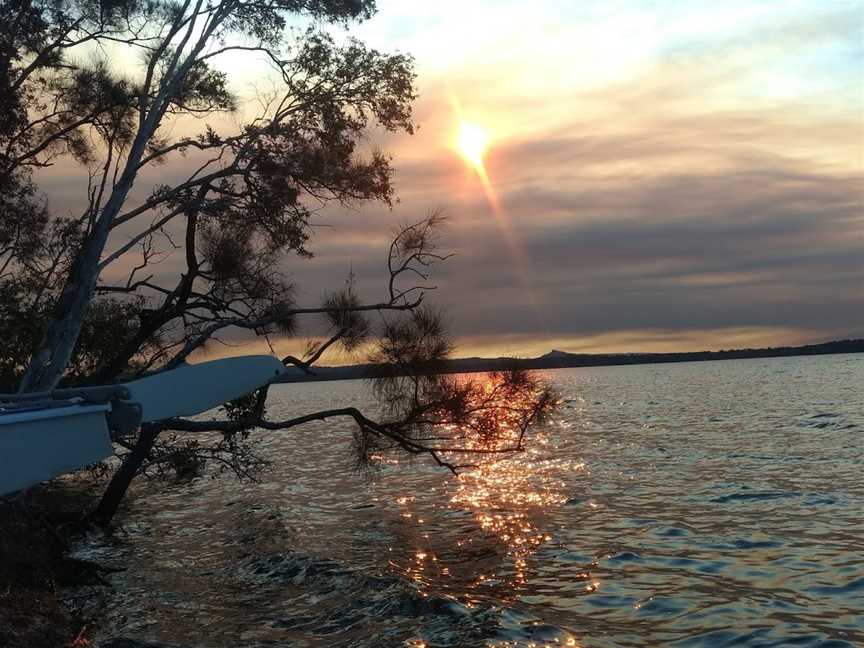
column 473, row 142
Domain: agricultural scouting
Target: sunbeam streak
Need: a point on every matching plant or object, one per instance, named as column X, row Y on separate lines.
column 473, row 142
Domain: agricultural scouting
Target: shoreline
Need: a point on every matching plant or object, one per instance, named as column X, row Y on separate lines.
column 564, row 360
column 36, row 566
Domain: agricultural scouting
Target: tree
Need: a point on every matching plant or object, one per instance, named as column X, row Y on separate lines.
column 241, row 203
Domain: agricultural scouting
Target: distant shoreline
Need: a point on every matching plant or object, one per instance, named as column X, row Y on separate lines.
column 564, row 360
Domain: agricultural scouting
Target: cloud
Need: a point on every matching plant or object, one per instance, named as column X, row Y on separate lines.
column 671, row 175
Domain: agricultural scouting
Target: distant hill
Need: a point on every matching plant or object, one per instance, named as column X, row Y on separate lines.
column 561, row 359
column 555, row 353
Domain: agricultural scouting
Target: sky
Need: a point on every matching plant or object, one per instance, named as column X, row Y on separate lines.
column 660, row 176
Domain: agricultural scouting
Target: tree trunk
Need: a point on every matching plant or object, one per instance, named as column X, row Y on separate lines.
column 119, row 484
column 49, row 362
column 53, row 354
column 54, row 351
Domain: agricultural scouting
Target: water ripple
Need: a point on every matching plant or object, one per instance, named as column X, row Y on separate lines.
column 704, row 504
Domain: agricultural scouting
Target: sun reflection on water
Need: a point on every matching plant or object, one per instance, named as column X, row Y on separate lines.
column 502, row 506
column 507, row 497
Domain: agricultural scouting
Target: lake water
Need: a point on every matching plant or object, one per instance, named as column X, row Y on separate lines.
column 698, row 504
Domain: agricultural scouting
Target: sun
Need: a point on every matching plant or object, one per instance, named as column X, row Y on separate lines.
column 473, row 142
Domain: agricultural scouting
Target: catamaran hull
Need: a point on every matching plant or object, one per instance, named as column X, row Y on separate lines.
column 42, row 444
column 193, row 389
column 42, row 441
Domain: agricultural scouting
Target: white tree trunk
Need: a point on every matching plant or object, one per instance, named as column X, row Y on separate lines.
column 55, row 350
column 50, row 359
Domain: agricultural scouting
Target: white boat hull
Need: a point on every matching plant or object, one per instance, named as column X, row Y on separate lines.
column 193, row 389
column 41, row 444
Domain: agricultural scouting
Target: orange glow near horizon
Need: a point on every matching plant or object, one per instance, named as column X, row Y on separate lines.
column 531, row 345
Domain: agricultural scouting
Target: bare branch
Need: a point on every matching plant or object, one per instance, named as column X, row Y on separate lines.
column 263, row 322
